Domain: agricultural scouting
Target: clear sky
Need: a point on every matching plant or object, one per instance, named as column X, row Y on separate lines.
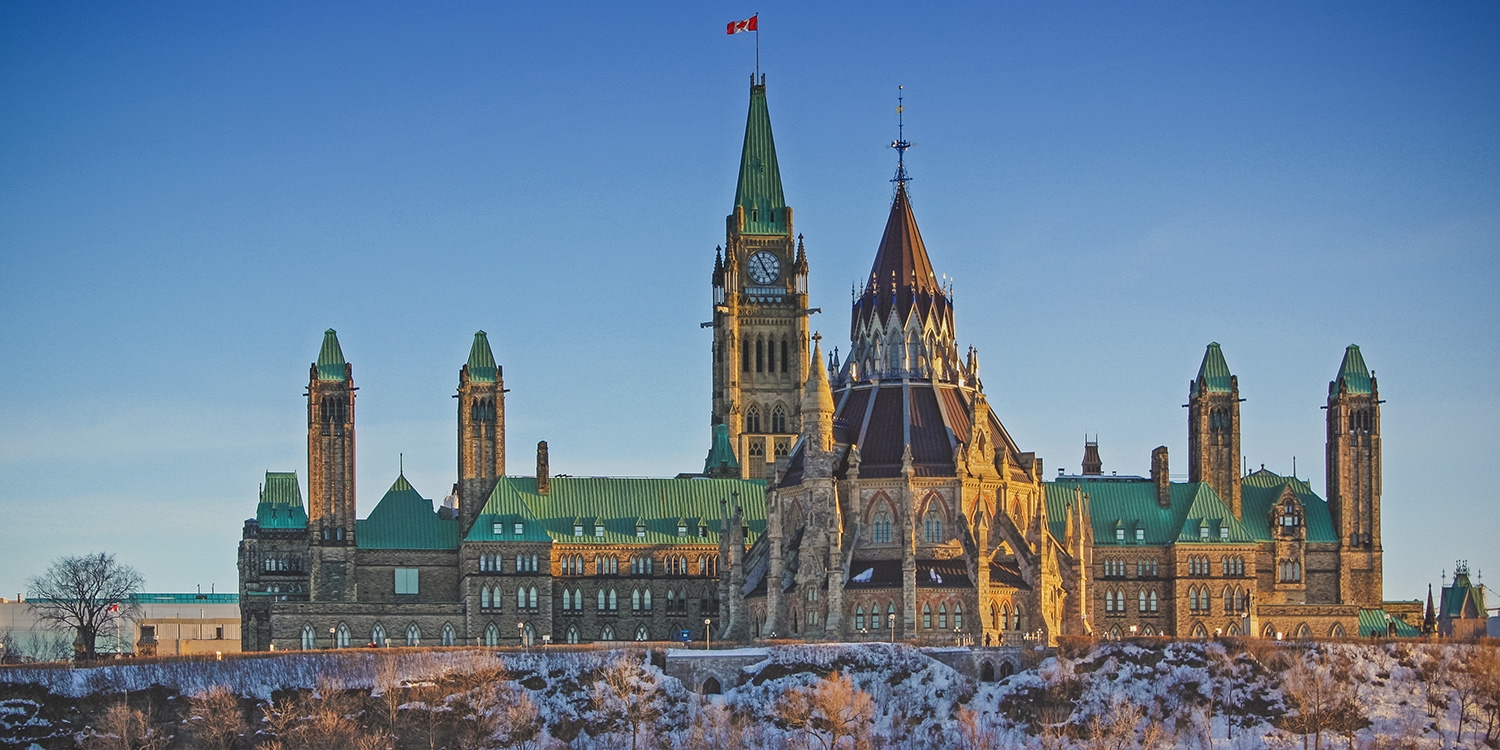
column 191, row 192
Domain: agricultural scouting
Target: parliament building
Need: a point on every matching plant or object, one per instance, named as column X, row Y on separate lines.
column 876, row 497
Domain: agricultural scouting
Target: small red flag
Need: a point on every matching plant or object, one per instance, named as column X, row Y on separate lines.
column 748, row 24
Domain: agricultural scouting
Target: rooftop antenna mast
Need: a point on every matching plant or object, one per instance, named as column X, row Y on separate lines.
column 901, row 144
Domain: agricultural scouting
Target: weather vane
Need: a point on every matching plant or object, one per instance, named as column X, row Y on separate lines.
column 901, row 144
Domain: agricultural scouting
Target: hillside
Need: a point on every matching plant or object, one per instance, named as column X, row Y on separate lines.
column 1229, row 694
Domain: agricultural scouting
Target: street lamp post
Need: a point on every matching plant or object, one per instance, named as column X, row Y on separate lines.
column 708, row 634
column 333, row 641
column 891, row 618
column 521, row 634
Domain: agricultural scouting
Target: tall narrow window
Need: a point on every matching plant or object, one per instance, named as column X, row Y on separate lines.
column 783, row 355
column 760, row 355
column 771, row 357
column 778, row 419
column 882, row 531
column 752, row 420
column 933, row 526
column 491, row 635
column 343, row 636
column 745, row 355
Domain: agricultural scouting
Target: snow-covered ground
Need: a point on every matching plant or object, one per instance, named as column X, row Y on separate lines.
column 1165, row 694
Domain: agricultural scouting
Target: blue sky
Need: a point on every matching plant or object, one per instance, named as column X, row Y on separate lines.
column 190, row 193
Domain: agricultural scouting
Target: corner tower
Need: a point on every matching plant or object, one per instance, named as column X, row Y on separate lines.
column 760, row 308
column 1354, row 479
column 330, row 471
column 481, row 428
column 1214, row 428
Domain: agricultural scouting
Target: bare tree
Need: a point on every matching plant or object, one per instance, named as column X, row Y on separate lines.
column 1484, row 664
column 834, row 705
column 215, row 718
column 124, row 728
column 1322, row 698
column 87, row 594
column 496, row 715
column 625, row 695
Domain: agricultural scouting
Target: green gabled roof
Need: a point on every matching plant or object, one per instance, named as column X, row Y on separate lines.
column 1259, row 490
column 280, row 504
column 1213, row 373
column 331, row 365
column 721, row 460
column 1372, row 623
column 1353, row 375
column 1454, row 597
column 616, row 504
column 403, row 519
column 1123, row 504
column 1208, row 510
column 482, row 367
column 759, row 188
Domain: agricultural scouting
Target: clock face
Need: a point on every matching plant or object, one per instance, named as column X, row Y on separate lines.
column 764, row 268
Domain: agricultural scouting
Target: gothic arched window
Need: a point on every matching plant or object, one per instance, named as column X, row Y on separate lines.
column 413, row 635
column 932, row 524
column 641, row 634
column 343, row 636
column 752, row 420
column 377, row 635
column 745, row 355
column 491, row 635
column 882, row 531
column 760, row 355
column 309, row 638
column 778, row 419
column 771, row 356
column 783, row 355
column 448, row 635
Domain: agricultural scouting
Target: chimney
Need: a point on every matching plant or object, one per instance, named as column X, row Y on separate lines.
column 1092, row 466
column 1160, row 477
column 543, row 476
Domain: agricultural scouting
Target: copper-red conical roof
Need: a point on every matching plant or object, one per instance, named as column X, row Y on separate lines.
column 902, row 275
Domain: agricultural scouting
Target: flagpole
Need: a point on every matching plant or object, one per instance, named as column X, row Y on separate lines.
column 757, row 44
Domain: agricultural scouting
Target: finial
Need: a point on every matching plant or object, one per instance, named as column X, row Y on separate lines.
column 901, row 144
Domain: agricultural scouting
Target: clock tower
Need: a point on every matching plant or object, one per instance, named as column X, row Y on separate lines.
column 760, row 311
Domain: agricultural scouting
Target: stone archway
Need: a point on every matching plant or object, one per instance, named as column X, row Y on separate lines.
column 711, row 686
column 1006, row 669
column 986, row 672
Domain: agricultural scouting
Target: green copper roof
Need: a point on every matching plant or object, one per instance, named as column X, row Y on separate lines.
column 1259, row 490
column 331, row 365
column 759, row 189
column 482, row 368
column 721, row 460
column 1372, row 623
column 1456, row 598
column 1353, row 374
column 403, row 519
column 281, row 502
column 617, row 505
column 1131, row 504
column 1213, row 374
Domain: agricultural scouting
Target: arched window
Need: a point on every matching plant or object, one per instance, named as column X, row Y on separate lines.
column 635, row 600
column 1199, row 631
column 778, row 419
column 646, row 600
column 890, row 615
column 1228, row 599
column 491, row 635
column 1109, row 600
column 958, row 616
column 783, row 355
column 572, row 634
column 1233, row 630
column 641, row 633
column 752, row 420
column 933, row 525
column 377, row 635
column 942, row 617
column 343, row 636
column 1140, row 602
column 448, row 635
column 528, row 635
column 882, row 532
column 760, row 355
column 859, row 617
column 599, row 601
column 1004, row 622
column 1153, row 601
column 309, row 638
column 1337, row 631
column 613, row 601
column 927, row 616
column 607, row 634
column 1019, row 618
column 484, row 598
column 413, row 635
column 745, row 355
column 1193, row 598
column 567, row 600
column 531, row 598
column 521, row 597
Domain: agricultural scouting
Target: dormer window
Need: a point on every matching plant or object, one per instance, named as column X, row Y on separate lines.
column 1224, row 533
column 681, row 529
column 577, row 529
column 1119, row 533
column 702, row 531
column 1202, row 529
column 520, row 528
column 497, row 529
column 640, row 530
column 598, row 529
column 1140, row 534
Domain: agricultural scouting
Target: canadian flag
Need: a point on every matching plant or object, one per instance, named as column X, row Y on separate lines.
column 748, row 24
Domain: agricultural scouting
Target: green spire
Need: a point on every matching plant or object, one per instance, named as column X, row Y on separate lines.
column 331, row 365
column 482, row 367
column 759, row 189
column 1213, row 374
column 721, row 461
column 1353, row 374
